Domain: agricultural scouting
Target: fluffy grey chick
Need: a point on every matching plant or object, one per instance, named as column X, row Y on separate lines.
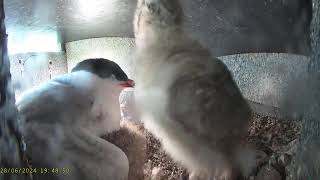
column 187, row 98
column 62, row 120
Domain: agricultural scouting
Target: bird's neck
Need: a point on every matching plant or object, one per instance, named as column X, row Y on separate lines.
column 150, row 36
column 104, row 91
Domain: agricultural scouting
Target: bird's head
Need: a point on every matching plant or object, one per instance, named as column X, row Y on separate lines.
column 107, row 71
column 102, row 80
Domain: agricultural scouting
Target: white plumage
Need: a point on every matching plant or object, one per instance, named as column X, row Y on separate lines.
column 63, row 119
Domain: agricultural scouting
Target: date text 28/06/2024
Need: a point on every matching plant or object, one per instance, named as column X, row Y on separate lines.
column 35, row 170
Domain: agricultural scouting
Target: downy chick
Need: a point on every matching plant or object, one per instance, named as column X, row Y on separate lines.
column 186, row 97
column 63, row 119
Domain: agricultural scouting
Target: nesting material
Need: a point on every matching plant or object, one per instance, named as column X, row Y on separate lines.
column 272, row 138
column 131, row 139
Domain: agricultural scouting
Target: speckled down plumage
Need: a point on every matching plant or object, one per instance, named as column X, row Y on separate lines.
column 187, row 98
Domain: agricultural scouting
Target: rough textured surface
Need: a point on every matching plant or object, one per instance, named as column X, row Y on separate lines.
column 131, row 139
column 272, row 138
column 307, row 165
column 31, row 69
column 158, row 158
column 119, row 50
column 264, row 77
column 227, row 27
column 268, row 173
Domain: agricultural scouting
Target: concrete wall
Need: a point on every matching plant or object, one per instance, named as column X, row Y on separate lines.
column 119, row 50
column 265, row 77
column 32, row 69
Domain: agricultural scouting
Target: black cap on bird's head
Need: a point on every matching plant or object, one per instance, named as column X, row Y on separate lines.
column 104, row 68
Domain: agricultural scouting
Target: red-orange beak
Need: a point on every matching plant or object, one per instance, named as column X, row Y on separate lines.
column 129, row 83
